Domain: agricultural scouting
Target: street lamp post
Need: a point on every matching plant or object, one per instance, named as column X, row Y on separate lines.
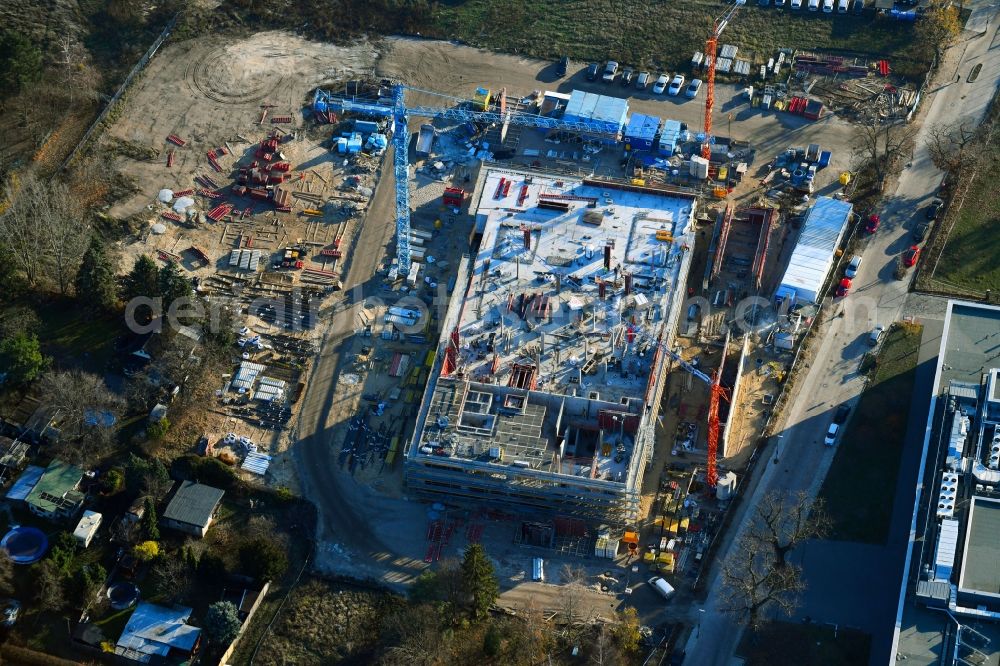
column 701, row 614
column 777, row 447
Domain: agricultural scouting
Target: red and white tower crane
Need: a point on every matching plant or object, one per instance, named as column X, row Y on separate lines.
column 711, row 48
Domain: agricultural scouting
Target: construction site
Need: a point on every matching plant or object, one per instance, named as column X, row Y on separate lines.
column 547, row 387
column 526, row 307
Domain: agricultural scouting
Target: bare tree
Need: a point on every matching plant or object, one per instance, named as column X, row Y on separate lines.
column 43, row 231
column 783, row 521
column 77, row 76
column 88, row 413
column 19, row 225
column 413, row 638
column 752, row 584
column 604, row 652
column 882, row 143
column 572, row 591
column 172, row 577
column 952, row 148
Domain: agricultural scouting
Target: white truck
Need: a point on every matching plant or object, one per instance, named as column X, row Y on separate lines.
column 662, row 586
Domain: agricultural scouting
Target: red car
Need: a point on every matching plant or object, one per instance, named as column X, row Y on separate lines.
column 911, row 256
column 843, row 287
column 873, row 222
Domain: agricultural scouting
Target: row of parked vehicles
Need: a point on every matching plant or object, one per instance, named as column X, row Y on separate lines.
column 628, row 76
column 907, row 260
column 828, row 6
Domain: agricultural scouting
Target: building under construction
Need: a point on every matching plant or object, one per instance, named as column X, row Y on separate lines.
column 547, row 382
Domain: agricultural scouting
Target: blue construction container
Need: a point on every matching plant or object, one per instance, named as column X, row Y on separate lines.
column 604, row 114
column 640, row 133
column 670, row 136
column 824, row 159
column 365, row 126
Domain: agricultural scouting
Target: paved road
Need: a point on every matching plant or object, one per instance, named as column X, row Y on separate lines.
column 877, row 297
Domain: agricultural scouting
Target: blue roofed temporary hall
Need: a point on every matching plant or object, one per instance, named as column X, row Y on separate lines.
column 605, row 114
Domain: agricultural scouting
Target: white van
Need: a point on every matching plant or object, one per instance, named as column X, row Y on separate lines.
column 813, row 5
column 662, row 586
column 538, row 570
column 827, row 6
column 842, row 6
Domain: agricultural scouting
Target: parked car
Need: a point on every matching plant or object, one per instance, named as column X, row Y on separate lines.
column 844, row 287
column 827, row 6
column 859, row 6
column 876, row 336
column 676, row 85
column 562, row 67
column 911, row 256
column 842, row 6
column 831, row 434
column 592, row 70
column 660, row 85
column 813, row 5
column 642, row 80
column 693, row 88
column 627, row 75
column 796, row 4
column 852, row 266
column 779, row 3
column 610, row 71
column 933, row 210
column 764, row 3
column 841, row 414
column 920, row 231
column 872, row 225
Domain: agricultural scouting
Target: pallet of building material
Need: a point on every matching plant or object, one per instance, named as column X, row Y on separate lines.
column 215, row 164
column 246, row 212
column 281, row 119
column 170, row 215
column 183, row 193
column 176, row 140
column 209, row 193
column 283, row 209
column 211, row 183
column 331, row 252
column 220, row 212
column 163, row 255
column 170, row 158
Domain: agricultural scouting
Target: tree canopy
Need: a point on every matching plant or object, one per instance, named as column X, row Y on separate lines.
column 21, row 358
column 96, row 281
column 20, row 60
column 480, row 580
column 222, row 622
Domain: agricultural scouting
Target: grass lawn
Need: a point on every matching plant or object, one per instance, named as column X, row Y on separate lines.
column 665, row 34
column 77, row 337
column 816, row 645
column 970, row 254
column 861, row 484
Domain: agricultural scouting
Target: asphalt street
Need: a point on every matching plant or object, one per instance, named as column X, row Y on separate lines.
column 832, row 377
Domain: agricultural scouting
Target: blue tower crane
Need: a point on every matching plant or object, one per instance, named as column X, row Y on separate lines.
column 396, row 110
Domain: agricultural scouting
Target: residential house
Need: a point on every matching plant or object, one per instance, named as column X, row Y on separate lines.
column 55, row 496
column 192, row 508
column 155, row 634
